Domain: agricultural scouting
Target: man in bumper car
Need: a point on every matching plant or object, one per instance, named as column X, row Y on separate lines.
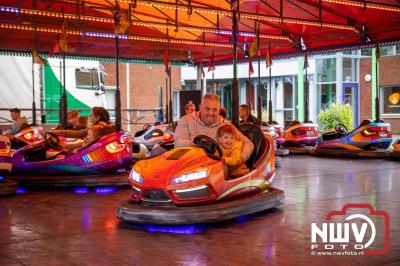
column 190, row 108
column 73, row 122
column 246, row 116
column 206, row 122
column 20, row 122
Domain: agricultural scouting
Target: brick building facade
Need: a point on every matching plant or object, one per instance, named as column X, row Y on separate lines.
column 144, row 81
column 389, row 74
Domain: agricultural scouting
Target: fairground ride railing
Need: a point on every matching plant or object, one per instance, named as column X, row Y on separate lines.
column 129, row 116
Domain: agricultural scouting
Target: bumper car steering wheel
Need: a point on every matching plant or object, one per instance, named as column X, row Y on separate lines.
column 52, row 141
column 146, row 127
column 340, row 128
column 209, row 145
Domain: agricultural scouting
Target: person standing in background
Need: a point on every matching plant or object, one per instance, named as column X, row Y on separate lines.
column 189, row 108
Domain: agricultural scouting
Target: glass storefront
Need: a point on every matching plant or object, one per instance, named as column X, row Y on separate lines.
column 283, row 95
column 285, row 99
column 288, row 96
column 333, row 78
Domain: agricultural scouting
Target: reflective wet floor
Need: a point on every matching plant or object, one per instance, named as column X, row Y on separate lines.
column 67, row 228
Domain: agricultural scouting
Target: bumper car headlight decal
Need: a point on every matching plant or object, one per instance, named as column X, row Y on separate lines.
column 190, row 177
column 368, row 133
column 115, row 147
column 135, row 176
column 29, row 136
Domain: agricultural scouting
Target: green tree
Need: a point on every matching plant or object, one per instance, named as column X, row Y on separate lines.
column 336, row 114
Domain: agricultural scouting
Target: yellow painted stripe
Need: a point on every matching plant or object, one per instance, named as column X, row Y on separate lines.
column 6, row 166
column 349, row 147
column 260, row 183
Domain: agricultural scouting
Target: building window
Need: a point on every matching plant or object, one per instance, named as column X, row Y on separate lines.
column 387, row 50
column 390, row 104
column 326, row 95
column 87, row 79
column 366, row 52
column 326, row 81
column 326, row 70
column 351, row 52
column 349, row 70
column 264, row 94
column 223, row 89
column 384, row 50
column 189, row 85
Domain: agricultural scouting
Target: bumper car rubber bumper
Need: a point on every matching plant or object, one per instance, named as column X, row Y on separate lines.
column 300, row 150
column 8, row 187
column 73, row 181
column 373, row 154
column 133, row 212
column 300, row 142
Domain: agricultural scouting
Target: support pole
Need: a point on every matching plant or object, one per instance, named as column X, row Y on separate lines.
column 117, row 92
column 235, row 87
column 33, row 73
column 42, row 99
column 259, row 112
column 377, row 109
column 200, row 79
column 300, row 90
column 166, row 99
column 161, row 112
column 33, row 93
column 170, row 95
column 63, row 101
column 248, row 89
column 128, row 97
column 61, row 95
column 270, row 96
column 306, row 118
column 375, row 114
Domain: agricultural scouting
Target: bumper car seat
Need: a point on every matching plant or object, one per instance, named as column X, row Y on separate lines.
column 254, row 134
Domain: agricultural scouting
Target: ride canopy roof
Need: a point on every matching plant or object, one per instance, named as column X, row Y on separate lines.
column 194, row 31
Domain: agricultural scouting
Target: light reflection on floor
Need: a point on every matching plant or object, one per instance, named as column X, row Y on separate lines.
column 70, row 228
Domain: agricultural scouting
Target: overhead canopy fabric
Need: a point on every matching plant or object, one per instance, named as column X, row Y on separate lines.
column 193, row 30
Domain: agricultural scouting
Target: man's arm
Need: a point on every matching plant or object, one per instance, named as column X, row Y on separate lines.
column 18, row 124
column 13, row 130
column 72, row 133
column 248, row 146
column 182, row 137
